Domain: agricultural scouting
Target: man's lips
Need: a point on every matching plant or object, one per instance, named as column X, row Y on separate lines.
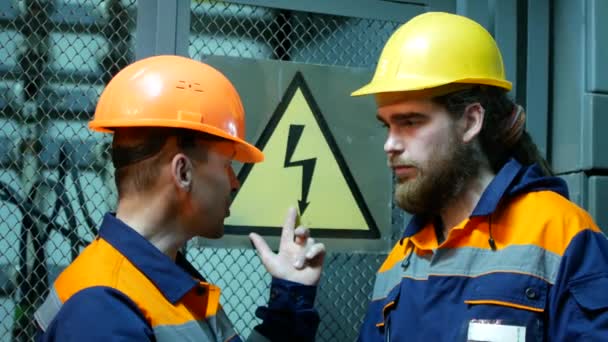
column 403, row 171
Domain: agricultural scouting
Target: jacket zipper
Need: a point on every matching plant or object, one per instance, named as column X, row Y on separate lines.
column 387, row 337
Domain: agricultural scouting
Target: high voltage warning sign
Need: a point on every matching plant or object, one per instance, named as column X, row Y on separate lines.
column 303, row 168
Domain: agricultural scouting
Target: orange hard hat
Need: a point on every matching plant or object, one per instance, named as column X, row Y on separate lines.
column 175, row 92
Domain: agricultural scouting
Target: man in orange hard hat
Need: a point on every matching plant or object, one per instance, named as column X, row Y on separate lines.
column 177, row 126
column 495, row 251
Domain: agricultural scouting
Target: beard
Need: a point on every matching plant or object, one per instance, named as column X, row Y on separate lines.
column 440, row 181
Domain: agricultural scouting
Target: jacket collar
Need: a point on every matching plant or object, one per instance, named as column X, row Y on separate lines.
column 173, row 279
column 512, row 179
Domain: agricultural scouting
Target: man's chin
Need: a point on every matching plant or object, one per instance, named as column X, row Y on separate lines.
column 408, row 199
column 405, row 188
column 408, row 184
column 214, row 234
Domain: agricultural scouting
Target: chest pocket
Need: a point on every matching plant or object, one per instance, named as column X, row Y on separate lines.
column 591, row 294
column 505, row 307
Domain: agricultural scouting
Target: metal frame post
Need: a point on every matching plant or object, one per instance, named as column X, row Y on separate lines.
column 163, row 27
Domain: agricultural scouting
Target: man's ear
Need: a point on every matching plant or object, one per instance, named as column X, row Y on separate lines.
column 472, row 118
column 181, row 170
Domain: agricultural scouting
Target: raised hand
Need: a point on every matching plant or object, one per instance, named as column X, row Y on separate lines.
column 299, row 259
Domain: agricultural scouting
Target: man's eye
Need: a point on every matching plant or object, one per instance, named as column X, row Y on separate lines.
column 408, row 123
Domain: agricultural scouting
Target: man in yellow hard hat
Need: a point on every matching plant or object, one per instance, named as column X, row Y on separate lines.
column 495, row 251
column 177, row 125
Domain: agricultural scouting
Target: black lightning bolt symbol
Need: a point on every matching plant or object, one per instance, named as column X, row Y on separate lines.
column 308, row 165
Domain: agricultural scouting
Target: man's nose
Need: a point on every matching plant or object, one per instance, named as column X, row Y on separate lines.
column 234, row 182
column 393, row 144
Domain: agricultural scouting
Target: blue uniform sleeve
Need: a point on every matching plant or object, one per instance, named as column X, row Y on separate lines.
column 290, row 314
column 578, row 301
column 98, row 314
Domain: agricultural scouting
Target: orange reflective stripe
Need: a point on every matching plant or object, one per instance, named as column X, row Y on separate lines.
column 388, row 305
column 555, row 224
column 215, row 328
column 501, row 303
column 395, row 256
column 426, row 238
column 80, row 274
column 201, row 306
column 117, row 272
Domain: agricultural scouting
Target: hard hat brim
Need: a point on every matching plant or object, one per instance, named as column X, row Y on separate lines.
column 407, row 85
column 244, row 151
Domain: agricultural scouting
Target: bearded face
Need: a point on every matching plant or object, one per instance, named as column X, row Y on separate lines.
column 430, row 151
column 437, row 180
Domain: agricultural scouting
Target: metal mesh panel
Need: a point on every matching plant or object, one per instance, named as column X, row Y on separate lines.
column 55, row 57
column 55, row 179
column 224, row 29
column 342, row 297
column 344, row 294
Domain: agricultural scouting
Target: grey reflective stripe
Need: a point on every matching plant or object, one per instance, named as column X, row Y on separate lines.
column 190, row 331
column 472, row 262
column 385, row 281
column 220, row 323
column 255, row 336
column 216, row 328
column 48, row 310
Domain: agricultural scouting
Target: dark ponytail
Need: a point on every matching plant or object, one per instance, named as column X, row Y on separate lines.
column 503, row 134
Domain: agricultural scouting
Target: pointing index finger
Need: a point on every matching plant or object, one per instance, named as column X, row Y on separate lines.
column 287, row 233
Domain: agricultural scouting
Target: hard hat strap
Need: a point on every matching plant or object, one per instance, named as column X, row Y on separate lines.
column 123, row 156
column 156, row 139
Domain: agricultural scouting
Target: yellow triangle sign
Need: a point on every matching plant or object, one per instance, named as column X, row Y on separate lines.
column 303, row 168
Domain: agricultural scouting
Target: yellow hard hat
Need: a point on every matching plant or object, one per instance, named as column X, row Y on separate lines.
column 435, row 49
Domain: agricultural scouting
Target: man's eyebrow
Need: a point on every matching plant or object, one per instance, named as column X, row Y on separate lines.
column 403, row 116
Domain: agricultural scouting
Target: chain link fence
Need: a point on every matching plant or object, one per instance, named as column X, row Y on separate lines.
column 342, row 296
column 55, row 58
column 55, row 179
column 223, row 29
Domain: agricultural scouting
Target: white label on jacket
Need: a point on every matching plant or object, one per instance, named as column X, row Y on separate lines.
column 491, row 332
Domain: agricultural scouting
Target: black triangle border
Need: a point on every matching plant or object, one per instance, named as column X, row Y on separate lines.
column 299, row 82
